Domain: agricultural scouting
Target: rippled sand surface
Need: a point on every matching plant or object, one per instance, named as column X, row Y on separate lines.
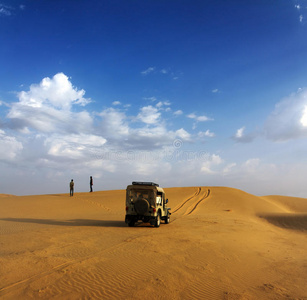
column 221, row 243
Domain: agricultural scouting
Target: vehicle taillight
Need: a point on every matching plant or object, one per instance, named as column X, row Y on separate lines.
column 154, row 210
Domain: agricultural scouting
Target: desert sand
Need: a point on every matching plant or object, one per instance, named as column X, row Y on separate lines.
column 221, row 243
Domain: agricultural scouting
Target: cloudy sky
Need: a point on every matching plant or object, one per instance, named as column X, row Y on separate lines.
column 183, row 93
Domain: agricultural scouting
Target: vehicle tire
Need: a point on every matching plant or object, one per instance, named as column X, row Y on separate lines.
column 167, row 218
column 141, row 206
column 158, row 220
column 131, row 223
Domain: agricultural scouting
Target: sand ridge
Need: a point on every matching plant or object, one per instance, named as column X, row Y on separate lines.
column 222, row 243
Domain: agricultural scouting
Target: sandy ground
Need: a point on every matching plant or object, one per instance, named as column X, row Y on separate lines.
column 222, row 243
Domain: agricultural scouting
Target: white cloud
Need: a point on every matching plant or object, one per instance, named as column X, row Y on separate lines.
column 251, row 165
column 116, row 103
column 207, row 133
column 183, row 134
column 215, row 91
column 114, row 123
column 229, row 168
column 191, row 116
column 150, row 98
column 149, row 115
column 4, row 104
column 239, row 133
column 57, row 92
column 288, row 120
column 216, row 159
column 299, row 9
column 47, row 119
column 159, row 104
column 297, row 6
column 151, row 134
column 5, row 10
column 178, row 112
column 58, row 138
column 163, row 103
column 202, row 119
column 199, row 118
column 303, row 119
column 211, row 162
column 147, row 138
column 47, row 106
column 148, row 71
column 154, row 138
column 241, row 137
column 165, row 71
column 9, row 146
column 73, row 146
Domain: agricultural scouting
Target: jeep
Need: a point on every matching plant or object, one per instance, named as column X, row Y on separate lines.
column 146, row 201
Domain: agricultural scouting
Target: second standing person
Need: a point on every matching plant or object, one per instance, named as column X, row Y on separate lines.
column 91, row 184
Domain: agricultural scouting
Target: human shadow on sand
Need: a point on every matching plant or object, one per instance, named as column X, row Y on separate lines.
column 73, row 222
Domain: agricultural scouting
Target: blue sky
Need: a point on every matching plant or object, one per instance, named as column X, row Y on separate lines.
column 184, row 93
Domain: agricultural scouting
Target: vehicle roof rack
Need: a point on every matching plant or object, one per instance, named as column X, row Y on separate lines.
column 144, row 183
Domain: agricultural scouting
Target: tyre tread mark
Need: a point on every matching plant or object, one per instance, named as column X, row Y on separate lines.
column 202, row 199
column 187, row 200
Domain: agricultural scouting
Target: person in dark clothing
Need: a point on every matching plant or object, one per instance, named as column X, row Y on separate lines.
column 91, row 184
column 71, row 186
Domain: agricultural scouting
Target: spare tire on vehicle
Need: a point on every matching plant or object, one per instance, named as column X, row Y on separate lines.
column 141, row 206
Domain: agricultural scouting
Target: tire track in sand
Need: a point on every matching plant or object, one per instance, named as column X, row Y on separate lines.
column 92, row 202
column 189, row 205
column 206, row 195
column 187, row 200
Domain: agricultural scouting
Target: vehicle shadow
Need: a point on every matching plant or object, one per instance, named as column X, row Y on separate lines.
column 73, row 222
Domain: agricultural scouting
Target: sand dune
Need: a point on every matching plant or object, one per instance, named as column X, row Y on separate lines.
column 222, row 243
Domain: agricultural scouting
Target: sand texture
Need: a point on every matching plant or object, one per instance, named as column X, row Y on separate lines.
column 221, row 243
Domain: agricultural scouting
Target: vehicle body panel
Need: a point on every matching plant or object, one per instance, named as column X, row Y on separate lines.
column 146, row 201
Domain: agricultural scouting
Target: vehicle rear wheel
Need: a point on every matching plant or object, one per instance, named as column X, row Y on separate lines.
column 158, row 220
column 131, row 223
column 167, row 218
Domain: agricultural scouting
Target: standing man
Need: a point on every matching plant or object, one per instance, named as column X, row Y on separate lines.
column 71, row 186
column 91, row 184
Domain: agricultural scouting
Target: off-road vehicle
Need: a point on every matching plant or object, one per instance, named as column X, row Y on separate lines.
column 146, row 201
